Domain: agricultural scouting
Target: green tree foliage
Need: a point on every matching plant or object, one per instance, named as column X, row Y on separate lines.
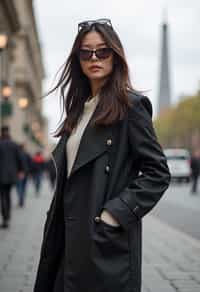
column 178, row 123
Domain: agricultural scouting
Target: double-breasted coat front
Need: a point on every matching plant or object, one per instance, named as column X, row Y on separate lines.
column 120, row 168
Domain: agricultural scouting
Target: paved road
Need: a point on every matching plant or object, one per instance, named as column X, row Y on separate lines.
column 171, row 261
column 180, row 209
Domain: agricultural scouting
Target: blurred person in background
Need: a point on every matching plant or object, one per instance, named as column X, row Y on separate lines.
column 37, row 170
column 11, row 168
column 22, row 182
column 195, row 169
column 111, row 171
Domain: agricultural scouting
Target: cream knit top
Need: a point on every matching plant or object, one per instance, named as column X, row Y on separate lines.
column 74, row 139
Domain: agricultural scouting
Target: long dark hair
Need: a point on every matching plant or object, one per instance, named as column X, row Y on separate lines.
column 75, row 88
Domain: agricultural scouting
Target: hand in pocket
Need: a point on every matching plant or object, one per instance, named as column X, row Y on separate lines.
column 109, row 219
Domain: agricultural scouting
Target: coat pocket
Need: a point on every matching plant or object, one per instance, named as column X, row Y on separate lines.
column 111, row 256
column 110, row 227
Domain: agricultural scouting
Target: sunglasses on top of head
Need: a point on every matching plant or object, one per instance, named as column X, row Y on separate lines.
column 102, row 53
column 89, row 23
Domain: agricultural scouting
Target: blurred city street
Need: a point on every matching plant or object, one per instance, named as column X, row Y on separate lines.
column 171, row 251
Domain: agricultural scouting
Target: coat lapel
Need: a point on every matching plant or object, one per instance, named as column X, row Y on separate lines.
column 94, row 142
column 59, row 154
column 92, row 145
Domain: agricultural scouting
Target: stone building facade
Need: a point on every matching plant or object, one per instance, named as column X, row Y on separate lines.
column 22, row 69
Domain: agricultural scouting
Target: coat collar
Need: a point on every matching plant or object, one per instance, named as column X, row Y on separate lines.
column 93, row 143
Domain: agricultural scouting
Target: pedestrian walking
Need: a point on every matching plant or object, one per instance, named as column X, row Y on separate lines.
column 195, row 170
column 110, row 172
column 11, row 168
column 37, row 170
column 22, row 182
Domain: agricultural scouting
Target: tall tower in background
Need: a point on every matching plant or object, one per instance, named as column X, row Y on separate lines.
column 164, row 92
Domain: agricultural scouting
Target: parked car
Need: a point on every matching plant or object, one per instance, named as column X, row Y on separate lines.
column 178, row 160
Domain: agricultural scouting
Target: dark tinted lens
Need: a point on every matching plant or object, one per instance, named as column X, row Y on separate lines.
column 85, row 54
column 103, row 53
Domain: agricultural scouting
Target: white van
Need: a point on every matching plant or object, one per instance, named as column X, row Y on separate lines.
column 178, row 160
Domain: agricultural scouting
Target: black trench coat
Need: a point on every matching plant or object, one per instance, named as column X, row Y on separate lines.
column 120, row 168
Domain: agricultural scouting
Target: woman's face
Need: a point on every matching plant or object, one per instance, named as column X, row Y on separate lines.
column 95, row 68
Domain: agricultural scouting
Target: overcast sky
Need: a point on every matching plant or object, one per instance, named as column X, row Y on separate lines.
column 138, row 24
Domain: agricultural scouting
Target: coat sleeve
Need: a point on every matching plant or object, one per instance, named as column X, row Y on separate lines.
column 145, row 190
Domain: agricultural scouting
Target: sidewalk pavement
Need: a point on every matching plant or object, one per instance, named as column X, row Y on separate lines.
column 171, row 259
column 181, row 194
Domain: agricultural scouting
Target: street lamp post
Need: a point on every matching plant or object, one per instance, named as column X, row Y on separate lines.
column 6, row 91
column 23, row 102
column 3, row 44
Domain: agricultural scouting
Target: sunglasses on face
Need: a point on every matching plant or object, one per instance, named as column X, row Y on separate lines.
column 89, row 23
column 102, row 53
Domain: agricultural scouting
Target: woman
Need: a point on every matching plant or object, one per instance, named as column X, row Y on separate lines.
column 111, row 171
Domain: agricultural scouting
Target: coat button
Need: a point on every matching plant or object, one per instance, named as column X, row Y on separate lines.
column 97, row 219
column 109, row 142
column 107, row 169
column 136, row 209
